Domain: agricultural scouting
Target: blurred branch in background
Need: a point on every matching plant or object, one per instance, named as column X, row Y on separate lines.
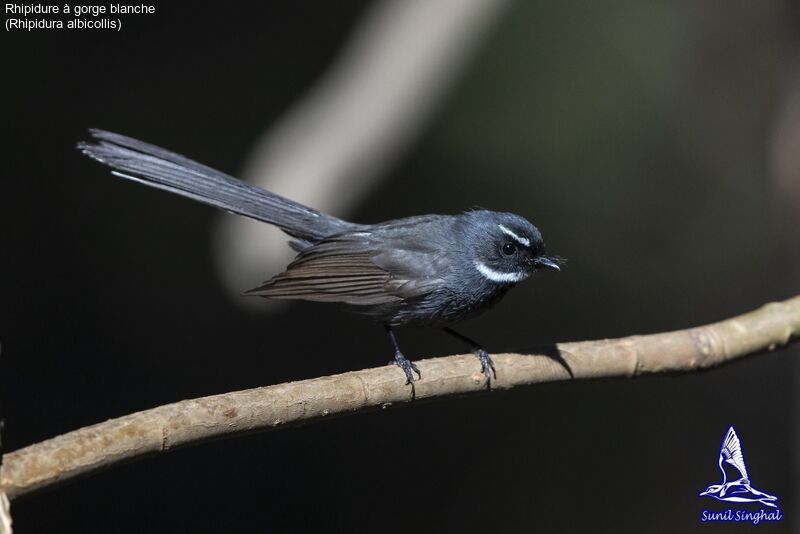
column 784, row 154
column 5, row 514
column 193, row 421
column 329, row 150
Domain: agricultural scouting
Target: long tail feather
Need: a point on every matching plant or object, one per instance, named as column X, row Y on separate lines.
column 156, row 167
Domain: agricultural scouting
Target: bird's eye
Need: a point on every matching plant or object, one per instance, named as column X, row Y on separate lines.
column 509, row 249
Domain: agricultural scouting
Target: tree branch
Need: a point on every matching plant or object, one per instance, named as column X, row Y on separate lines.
column 193, row 421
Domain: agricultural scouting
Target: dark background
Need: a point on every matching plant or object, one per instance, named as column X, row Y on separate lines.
column 639, row 138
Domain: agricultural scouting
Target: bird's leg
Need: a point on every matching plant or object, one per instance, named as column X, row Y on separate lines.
column 487, row 365
column 404, row 363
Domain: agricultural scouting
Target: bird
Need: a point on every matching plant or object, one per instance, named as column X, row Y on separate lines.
column 424, row 270
column 738, row 490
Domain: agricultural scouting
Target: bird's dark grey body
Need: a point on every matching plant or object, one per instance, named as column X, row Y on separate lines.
column 429, row 270
column 388, row 273
column 378, row 265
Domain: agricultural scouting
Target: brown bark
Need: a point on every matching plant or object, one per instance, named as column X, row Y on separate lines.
column 187, row 422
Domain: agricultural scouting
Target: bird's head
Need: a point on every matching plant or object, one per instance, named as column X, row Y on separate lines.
column 506, row 248
column 712, row 490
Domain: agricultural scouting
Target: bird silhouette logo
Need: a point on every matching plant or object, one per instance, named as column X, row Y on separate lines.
column 737, row 488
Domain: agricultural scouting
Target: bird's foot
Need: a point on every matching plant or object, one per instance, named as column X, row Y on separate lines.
column 408, row 368
column 487, row 366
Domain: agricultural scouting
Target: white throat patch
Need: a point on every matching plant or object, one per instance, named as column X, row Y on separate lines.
column 521, row 240
column 497, row 276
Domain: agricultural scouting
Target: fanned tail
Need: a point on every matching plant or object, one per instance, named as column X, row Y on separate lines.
column 156, row 167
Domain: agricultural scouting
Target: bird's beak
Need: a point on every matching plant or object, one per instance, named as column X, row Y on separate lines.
column 547, row 263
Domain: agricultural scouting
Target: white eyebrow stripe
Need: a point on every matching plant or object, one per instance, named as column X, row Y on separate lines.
column 497, row 276
column 521, row 240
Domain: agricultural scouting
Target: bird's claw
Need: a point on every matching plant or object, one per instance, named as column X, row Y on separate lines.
column 487, row 366
column 408, row 368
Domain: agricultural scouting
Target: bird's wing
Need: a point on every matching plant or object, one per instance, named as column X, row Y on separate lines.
column 731, row 450
column 352, row 269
